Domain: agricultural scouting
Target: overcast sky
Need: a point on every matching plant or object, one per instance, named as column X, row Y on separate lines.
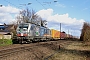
column 70, row 13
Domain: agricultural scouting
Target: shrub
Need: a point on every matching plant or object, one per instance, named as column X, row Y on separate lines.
column 85, row 33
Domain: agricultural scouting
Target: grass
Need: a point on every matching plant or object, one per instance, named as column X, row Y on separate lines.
column 5, row 42
column 68, row 55
column 73, row 51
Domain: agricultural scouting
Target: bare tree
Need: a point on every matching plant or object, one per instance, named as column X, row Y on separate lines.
column 29, row 16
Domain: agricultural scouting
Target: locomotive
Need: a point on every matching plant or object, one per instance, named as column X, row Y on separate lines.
column 29, row 32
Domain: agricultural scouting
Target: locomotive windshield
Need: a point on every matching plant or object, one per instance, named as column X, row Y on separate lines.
column 23, row 26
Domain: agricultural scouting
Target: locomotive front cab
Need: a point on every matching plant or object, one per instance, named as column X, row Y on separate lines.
column 22, row 30
column 27, row 32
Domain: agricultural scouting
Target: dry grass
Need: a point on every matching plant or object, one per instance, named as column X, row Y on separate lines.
column 68, row 55
column 73, row 51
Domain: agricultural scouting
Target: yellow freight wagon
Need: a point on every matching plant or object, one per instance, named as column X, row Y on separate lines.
column 55, row 34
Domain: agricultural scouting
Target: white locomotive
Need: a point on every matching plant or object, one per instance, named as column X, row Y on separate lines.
column 29, row 32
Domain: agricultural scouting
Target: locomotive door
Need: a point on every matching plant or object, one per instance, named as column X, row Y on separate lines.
column 37, row 28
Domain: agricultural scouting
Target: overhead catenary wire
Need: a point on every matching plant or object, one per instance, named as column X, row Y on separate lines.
column 19, row 7
column 11, row 3
column 41, row 4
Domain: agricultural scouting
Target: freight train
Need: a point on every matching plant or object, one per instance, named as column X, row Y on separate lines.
column 28, row 32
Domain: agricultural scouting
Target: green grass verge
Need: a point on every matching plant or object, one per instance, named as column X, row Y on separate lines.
column 5, row 42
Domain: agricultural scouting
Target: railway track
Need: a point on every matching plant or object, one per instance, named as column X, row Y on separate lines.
column 5, row 52
column 19, row 48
